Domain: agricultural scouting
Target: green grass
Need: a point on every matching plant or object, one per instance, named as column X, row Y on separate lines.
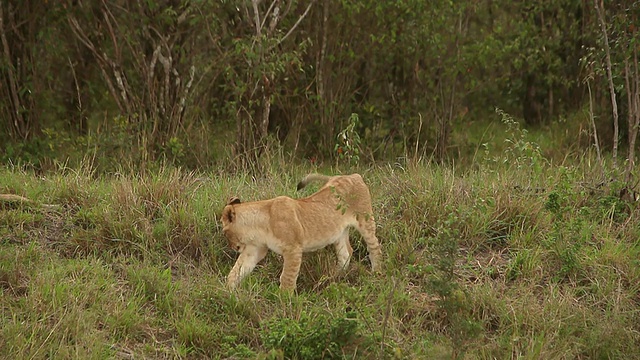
column 510, row 258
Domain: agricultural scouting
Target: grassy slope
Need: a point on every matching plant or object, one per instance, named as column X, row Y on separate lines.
column 507, row 261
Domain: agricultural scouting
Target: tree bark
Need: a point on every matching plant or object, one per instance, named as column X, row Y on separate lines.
column 633, row 100
column 325, row 119
column 614, row 104
column 16, row 120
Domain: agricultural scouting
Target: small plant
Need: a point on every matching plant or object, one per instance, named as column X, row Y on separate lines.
column 453, row 299
column 566, row 236
column 520, row 151
column 175, row 148
column 520, row 265
column 319, row 337
column 348, row 142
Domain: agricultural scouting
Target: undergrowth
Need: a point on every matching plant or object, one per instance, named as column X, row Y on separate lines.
column 509, row 259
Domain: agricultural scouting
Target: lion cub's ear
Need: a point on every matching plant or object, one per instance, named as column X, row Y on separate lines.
column 233, row 200
column 228, row 214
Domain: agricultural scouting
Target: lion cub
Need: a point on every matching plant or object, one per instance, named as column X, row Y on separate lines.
column 293, row 226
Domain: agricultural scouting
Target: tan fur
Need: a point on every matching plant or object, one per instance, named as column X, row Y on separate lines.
column 290, row 227
column 14, row 198
column 17, row 199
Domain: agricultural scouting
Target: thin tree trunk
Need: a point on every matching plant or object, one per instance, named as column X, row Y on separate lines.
column 320, row 76
column 16, row 119
column 264, row 121
column 614, row 104
column 595, row 129
column 633, row 118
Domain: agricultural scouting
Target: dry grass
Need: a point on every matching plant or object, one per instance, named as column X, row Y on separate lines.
column 486, row 263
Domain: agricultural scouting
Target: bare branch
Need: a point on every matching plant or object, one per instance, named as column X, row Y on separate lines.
column 16, row 113
column 593, row 123
column 297, row 22
column 103, row 63
column 256, row 17
column 152, row 66
column 183, row 100
column 166, row 63
column 286, row 11
column 107, row 19
column 75, row 81
column 266, row 15
column 274, row 17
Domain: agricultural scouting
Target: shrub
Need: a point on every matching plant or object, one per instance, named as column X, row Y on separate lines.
column 311, row 337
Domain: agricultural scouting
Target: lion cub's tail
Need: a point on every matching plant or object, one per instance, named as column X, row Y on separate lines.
column 313, row 177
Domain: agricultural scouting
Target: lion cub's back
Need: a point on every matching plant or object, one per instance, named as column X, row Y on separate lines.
column 353, row 191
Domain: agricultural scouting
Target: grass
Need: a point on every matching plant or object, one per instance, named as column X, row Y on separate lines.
column 514, row 258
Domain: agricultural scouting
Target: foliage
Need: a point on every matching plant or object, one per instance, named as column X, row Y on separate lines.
column 195, row 82
column 520, row 152
column 453, row 299
column 311, row 337
column 348, row 142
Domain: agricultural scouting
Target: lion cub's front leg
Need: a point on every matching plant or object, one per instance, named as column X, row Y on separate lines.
column 291, row 269
column 246, row 262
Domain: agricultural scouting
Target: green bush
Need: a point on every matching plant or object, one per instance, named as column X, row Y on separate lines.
column 312, row 337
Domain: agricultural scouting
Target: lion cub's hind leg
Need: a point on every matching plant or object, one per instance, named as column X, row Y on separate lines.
column 367, row 228
column 246, row 262
column 343, row 251
column 291, row 269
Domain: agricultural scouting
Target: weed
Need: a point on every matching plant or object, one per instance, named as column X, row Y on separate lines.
column 453, row 299
column 347, row 147
column 520, row 151
column 312, row 337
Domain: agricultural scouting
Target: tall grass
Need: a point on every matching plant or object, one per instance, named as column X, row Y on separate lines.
column 511, row 258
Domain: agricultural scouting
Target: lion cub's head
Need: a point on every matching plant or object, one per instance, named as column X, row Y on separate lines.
column 228, row 219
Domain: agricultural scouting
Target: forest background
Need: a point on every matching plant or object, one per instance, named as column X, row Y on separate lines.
column 197, row 83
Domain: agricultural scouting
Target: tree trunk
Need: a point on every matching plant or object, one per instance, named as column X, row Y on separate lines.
column 325, row 119
column 632, row 82
column 614, row 104
column 19, row 26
